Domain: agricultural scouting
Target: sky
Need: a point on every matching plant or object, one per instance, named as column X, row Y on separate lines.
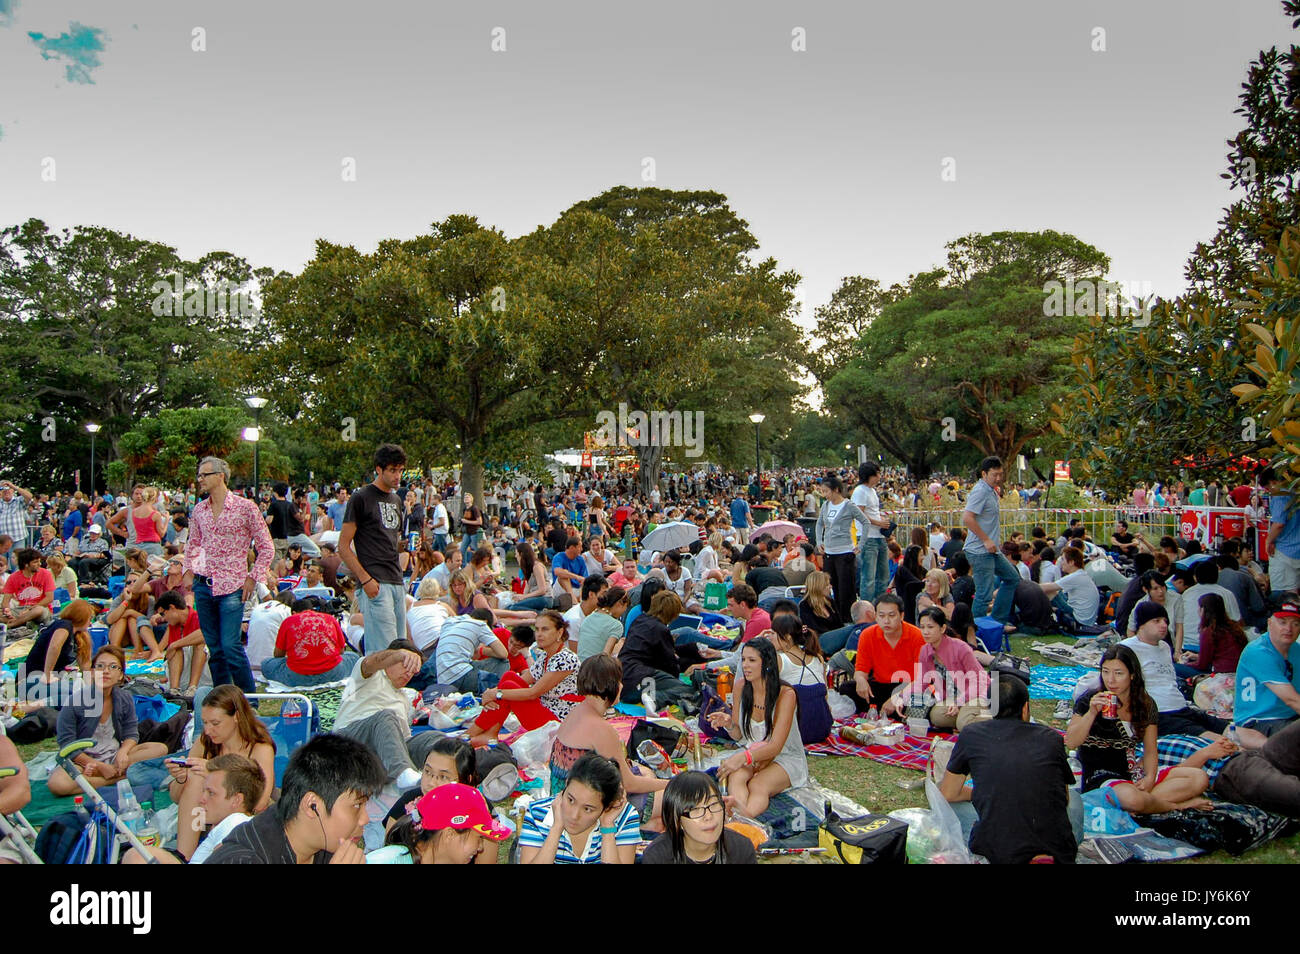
column 834, row 152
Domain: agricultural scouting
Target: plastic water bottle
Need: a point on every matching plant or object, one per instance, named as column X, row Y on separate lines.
column 873, row 714
column 292, row 709
column 148, row 832
column 128, row 809
column 78, row 805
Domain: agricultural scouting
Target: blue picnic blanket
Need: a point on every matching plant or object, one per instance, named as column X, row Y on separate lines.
column 1054, row 682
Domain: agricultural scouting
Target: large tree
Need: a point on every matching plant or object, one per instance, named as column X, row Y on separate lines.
column 968, row 355
column 434, row 341
column 677, row 318
column 87, row 335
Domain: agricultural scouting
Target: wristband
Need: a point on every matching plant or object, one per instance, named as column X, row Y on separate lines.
column 608, row 831
column 749, row 757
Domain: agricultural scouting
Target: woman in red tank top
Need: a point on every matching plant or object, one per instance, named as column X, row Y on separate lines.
column 149, row 523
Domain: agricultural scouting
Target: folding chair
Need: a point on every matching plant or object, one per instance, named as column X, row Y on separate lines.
column 288, row 731
column 17, row 830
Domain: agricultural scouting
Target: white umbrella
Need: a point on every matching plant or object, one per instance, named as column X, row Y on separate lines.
column 670, row 536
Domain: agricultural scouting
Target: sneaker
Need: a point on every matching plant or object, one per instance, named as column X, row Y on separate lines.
column 1063, row 710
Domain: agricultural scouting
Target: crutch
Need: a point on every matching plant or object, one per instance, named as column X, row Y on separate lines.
column 74, row 772
column 18, row 829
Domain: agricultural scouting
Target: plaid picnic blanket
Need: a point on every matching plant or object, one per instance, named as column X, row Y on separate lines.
column 910, row 754
column 1172, row 750
column 1054, row 682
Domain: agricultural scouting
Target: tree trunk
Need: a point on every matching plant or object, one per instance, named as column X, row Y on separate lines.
column 471, row 469
column 650, row 458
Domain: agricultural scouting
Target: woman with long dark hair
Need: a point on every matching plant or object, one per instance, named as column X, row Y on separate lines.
column 695, row 832
column 763, row 718
column 1222, row 640
column 1107, row 725
column 537, row 585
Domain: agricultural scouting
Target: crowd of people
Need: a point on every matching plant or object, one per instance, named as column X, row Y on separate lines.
column 403, row 585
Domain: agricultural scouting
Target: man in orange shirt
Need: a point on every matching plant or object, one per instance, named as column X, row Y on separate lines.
column 888, row 654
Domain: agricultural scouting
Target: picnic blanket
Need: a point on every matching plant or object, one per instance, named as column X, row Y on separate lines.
column 1054, row 682
column 151, row 670
column 1086, row 652
column 909, row 754
column 45, row 806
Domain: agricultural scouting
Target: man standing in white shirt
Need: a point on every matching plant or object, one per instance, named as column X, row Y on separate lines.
column 873, row 548
column 438, row 523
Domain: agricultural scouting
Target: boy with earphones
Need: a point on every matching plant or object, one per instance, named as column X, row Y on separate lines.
column 321, row 811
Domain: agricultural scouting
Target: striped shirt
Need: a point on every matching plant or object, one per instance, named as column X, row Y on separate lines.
column 539, row 819
column 13, row 520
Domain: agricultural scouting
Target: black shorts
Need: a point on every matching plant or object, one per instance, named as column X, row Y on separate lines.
column 1189, row 721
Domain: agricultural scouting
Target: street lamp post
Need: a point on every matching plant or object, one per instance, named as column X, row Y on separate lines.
column 94, row 429
column 254, row 434
column 758, row 419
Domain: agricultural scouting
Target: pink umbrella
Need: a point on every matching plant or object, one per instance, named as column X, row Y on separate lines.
column 779, row 528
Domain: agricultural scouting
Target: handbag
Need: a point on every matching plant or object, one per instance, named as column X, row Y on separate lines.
column 864, row 840
column 1006, row 664
column 813, row 710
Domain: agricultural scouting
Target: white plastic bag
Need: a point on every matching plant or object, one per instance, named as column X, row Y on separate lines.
column 533, row 749
column 934, row 833
column 842, row 706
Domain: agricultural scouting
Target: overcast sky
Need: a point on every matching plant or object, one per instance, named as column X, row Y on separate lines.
column 833, row 154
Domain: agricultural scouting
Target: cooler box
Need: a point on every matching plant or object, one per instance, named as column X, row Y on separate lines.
column 990, row 632
column 98, row 637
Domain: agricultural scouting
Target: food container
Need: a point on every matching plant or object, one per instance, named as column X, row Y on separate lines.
column 918, row 728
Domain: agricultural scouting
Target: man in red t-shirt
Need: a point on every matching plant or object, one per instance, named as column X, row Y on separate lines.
column 183, row 632
column 310, row 648
column 888, row 654
column 1241, row 495
column 31, row 587
column 742, row 603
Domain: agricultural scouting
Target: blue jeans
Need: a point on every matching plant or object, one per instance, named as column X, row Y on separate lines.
column 278, row 669
column 469, row 543
column 993, row 570
column 385, row 616
column 687, row 634
column 535, row 603
column 873, row 568
column 439, row 542
column 846, row 637
column 220, row 618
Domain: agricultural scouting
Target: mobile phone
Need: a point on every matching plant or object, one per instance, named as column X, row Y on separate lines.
column 183, row 763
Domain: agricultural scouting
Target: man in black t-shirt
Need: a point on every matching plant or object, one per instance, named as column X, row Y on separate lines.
column 282, row 520
column 369, row 543
column 1023, row 805
column 321, row 811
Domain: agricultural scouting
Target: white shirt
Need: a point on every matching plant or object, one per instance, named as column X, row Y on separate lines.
column 1049, row 573
column 1082, row 595
column 220, row 832
column 937, row 540
column 868, row 502
column 425, row 623
column 364, row 697
column 796, row 674
column 263, row 625
column 440, row 513
column 1023, row 567
column 574, row 615
column 1158, row 673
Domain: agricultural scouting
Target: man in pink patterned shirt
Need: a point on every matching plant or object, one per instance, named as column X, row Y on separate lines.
column 223, row 528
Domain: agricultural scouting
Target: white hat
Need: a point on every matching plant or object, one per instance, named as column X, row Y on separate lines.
column 95, row 528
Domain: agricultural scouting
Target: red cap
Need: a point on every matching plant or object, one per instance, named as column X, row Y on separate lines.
column 1288, row 609
column 456, row 806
